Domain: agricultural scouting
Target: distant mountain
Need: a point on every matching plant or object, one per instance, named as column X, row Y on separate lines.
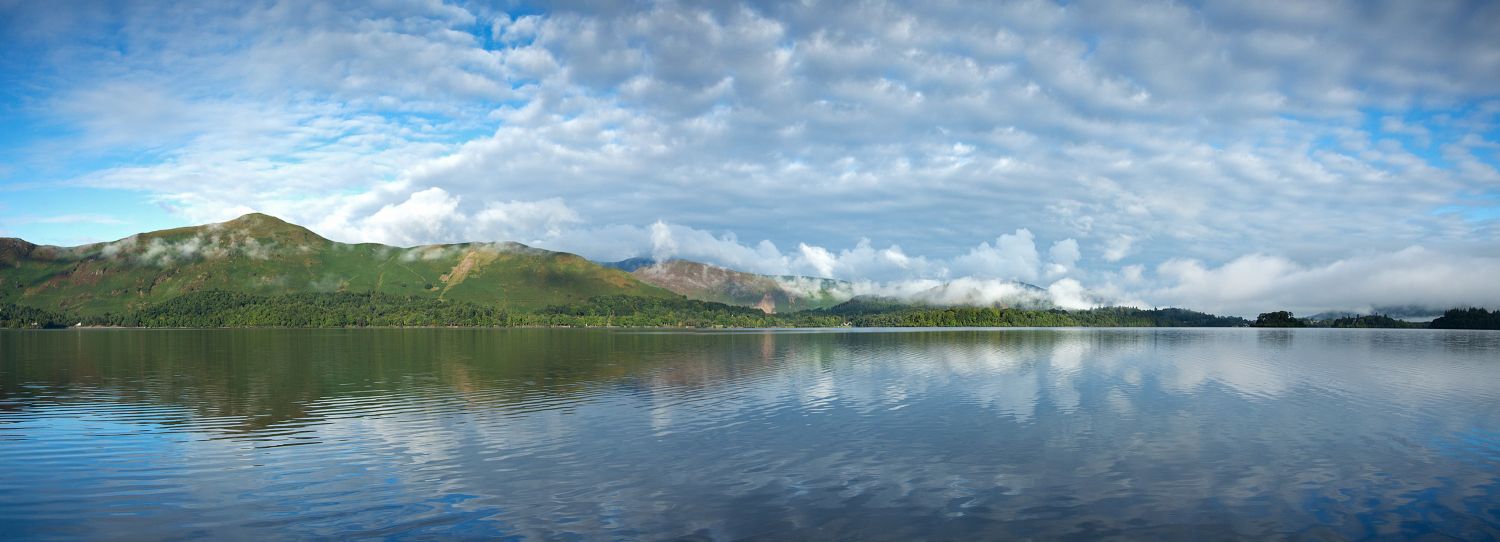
column 629, row 264
column 772, row 294
column 1408, row 313
column 782, row 294
column 263, row 255
column 1330, row 315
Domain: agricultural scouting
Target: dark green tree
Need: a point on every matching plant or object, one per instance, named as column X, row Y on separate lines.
column 1278, row 319
column 1470, row 318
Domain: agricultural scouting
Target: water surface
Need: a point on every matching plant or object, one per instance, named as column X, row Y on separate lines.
column 590, row 434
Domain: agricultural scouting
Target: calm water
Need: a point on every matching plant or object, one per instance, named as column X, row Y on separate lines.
column 590, row 434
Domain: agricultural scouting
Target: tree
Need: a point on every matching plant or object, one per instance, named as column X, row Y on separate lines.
column 1278, row 319
column 1470, row 318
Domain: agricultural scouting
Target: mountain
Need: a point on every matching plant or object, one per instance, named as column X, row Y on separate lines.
column 263, row 255
column 629, row 264
column 771, row 294
column 1411, row 313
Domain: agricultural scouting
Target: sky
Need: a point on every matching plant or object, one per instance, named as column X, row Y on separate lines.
column 1234, row 157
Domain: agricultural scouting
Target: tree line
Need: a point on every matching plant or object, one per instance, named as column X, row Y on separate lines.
column 1469, row 318
column 219, row 308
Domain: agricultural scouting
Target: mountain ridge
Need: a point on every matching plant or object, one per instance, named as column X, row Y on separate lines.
column 261, row 254
column 788, row 293
column 707, row 282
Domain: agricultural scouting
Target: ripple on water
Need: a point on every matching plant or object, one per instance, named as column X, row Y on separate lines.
column 869, row 435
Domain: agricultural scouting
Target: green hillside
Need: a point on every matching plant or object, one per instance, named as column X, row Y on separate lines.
column 262, row 255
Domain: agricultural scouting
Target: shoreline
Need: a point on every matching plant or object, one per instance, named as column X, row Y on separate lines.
column 693, row 328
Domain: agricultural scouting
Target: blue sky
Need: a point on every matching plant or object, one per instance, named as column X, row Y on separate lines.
column 1222, row 155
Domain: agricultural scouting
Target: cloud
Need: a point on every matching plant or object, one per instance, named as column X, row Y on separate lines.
column 1064, row 255
column 427, row 214
column 961, row 291
column 663, row 246
column 1117, row 248
column 526, row 220
column 214, row 242
column 1070, row 294
column 1013, row 256
column 432, row 215
column 1412, row 277
column 880, row 141
column 81, row 218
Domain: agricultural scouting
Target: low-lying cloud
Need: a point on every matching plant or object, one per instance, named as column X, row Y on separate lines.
column 211, row 245
column 986, row 274
column 1413, row 277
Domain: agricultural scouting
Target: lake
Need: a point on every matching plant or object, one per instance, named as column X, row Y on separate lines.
column 776, row 435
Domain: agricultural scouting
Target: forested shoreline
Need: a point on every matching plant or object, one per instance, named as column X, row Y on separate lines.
column 224, row 309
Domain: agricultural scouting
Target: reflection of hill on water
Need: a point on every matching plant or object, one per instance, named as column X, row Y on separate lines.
column 245, row 381
column 250, row 380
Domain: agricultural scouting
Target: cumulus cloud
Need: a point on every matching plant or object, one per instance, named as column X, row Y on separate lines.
column 663, row 246
column 1064, row 255
column 427, row 214
column 1117, row 248
column 432, row 215
column 1014, row 255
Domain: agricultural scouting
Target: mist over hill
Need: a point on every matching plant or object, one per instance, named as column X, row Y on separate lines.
column 260, row 255
column 787, row 293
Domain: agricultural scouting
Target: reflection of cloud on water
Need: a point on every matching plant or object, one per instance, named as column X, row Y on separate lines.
column 1011, row 394
column 1219, row 359
column 887, row 432
column 821, row 391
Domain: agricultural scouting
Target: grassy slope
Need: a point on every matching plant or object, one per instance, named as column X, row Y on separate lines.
column 262, row 255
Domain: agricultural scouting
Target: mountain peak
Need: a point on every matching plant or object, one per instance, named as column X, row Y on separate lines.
column 13, row 249
column 257, row 219
column 257, row 215
column 264, row 225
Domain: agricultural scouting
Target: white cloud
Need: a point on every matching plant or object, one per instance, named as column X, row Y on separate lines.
column 524, row 221
column 663, row 246
column 1118, row 247
column 432, row 215
column 1064, row 255
column 961, row 291
column 1014, row 256
column 1413, row 277
column 1070, row 294
column 81, row 218
column 425, row 215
